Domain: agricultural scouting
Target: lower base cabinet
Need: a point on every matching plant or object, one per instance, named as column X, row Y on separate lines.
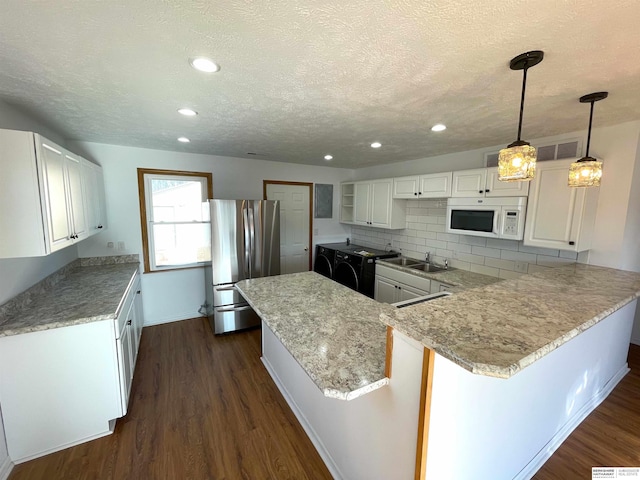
column 393, row 286
column 65, row 386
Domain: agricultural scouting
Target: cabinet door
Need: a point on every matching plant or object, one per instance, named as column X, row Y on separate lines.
column 469, row 183
column 405, row 292
column 57, row 211
column 496, row 188
column 76, row 196
column 553, row 219
column 138, row 323
column 95, row 206
column 437, row 185
column 381, row 203
column 362, row 198
column 406, row 187
column 125, row 366
column 385, row 290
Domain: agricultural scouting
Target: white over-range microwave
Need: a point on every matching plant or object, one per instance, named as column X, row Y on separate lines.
column 497, row 217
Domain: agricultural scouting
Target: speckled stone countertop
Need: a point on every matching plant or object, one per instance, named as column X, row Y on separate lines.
column 499, row 329
column 334, row 333
column 84, row 294
column 460, row 279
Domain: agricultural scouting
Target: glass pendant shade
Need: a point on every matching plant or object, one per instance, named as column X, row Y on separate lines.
column 586, row 172
column 517, row 162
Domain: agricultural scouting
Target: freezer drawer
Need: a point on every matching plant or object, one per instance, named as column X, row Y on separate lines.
column 226, row 295
column 233, row 317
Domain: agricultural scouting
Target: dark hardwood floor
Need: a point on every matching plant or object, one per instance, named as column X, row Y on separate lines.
column 202, row 407
column 609, row 436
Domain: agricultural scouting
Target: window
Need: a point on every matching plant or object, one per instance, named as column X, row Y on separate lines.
column 175, row 222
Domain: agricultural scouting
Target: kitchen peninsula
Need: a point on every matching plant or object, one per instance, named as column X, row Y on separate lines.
column 495, row 377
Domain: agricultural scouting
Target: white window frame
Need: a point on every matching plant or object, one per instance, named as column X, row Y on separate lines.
column 145, row 176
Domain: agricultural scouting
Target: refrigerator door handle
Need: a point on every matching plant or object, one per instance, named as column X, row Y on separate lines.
column 247, row 241
column 225, row 288
column 233, row 309
column 252, row 241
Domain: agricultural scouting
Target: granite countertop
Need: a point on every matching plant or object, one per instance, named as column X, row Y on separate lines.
column 333, row 332
column 460, row 279
column 499, row 329
column 85, row 294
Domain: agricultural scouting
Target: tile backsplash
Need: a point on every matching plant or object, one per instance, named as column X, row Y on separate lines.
column 425, row 233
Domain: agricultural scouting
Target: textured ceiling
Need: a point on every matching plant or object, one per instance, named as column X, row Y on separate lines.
column 300, row 79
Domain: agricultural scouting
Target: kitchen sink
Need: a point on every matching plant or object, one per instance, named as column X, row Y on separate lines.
column 427, row 267
column 403, row 261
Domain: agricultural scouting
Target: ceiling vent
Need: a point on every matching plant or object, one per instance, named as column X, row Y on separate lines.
column 571, row 148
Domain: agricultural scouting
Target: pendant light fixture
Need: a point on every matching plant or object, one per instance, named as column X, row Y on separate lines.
column 587, row 171
column 517, row 162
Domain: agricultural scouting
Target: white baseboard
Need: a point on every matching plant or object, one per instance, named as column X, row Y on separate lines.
column 572, row 423
column 173, row 318
column 5, row 468
column 311, row 433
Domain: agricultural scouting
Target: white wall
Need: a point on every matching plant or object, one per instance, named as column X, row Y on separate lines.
column 170, row 296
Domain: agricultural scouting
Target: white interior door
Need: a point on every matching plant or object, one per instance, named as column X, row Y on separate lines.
column 295, row 219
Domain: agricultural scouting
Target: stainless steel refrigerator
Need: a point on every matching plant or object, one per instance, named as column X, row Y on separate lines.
column 245, row 243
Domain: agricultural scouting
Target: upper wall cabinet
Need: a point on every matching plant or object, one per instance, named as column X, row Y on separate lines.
column 96, row 208
column 370, row 203
column 44, row 197
column 483, row 182
column 559, row 216
column 435, row 185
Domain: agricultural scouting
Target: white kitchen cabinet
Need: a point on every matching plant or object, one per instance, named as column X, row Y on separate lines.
column 483, row 182
column 558, row 216
column 64, row 386
column 392, row 285
column 76, row 195
column 43, row 196
column 128, row 329
column 373, row 205
column 435, row 185
column 96, row 211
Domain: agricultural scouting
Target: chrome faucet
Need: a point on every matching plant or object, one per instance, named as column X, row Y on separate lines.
column 427, row 256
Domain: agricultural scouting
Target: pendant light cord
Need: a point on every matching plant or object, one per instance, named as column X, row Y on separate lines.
column 524, row 86
column 589, row 134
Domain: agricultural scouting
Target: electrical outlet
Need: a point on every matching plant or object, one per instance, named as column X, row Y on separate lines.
column 121, row 245
column 522, row 267
column 109, row 244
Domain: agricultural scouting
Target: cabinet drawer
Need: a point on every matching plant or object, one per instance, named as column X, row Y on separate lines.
column 402, row 277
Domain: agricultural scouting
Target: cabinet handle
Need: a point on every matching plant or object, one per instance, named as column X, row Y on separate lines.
column 415, row 193
column 138, row 292
column 480, row 191
column 129, row 322
column 487, row 190
column 99, row 226
column 419, row 193
column 572, row 243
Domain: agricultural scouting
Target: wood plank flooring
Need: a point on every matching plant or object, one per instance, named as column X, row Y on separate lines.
column 609, row 436
column 202, row 407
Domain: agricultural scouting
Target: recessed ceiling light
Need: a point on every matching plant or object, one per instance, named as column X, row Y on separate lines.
column 187, row 112
column 183, row 139
column 438, row 127
column 328, row 157
column 376, row 145
column 204, row 64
